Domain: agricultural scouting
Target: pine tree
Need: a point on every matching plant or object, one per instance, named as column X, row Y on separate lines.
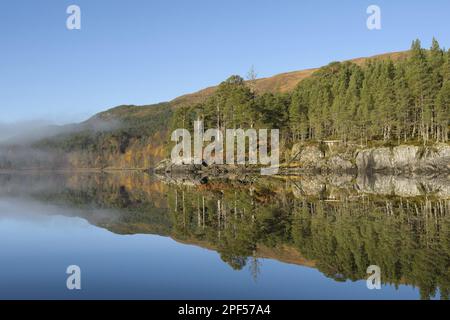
column 352, row 101
column 381, row 100
column 443, row 112
column 436, row 59
column 365, row 108
column 403, row 101
column 298, row 116
column 445, row 70
column 420, row 82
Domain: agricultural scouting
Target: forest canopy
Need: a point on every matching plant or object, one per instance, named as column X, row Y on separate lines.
column 382, row 100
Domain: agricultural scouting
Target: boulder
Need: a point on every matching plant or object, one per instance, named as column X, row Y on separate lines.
column 306, row 154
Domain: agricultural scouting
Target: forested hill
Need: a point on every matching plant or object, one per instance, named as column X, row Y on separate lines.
column 389, row 99
column 380, row 99
column 281, row 83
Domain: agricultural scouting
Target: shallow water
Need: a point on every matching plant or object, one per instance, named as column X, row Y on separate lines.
column 134, row 236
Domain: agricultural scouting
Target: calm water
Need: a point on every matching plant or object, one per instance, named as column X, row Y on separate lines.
column 134, row 236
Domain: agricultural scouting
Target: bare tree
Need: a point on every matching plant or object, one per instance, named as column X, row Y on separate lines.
column 251, row 78
column 255, row 267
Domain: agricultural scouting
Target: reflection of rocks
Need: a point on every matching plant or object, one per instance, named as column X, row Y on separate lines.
column 404, row 186
column 337, row 162
column 335, row 186
column 342, row 180
column 322, row 186
column 196, row 179
column 344, row 186
column 182, row 179
column 308, row 187
column 387, row 185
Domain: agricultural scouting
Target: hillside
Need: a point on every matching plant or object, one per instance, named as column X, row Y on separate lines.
column 283, row 82
column 280, row 83
column 362, row 93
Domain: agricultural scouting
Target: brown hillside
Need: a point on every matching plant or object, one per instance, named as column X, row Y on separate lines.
column 283, row 82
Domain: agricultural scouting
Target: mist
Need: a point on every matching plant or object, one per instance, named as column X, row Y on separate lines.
column 28, row 196
column 27, row 132
column 17, row 142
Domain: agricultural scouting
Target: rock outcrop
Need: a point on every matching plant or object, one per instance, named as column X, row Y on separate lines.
column 312, row 157
column 347, row 159
column 405, row 158
column 307, row 155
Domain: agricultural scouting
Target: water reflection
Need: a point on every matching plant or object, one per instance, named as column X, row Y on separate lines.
column 338, row 225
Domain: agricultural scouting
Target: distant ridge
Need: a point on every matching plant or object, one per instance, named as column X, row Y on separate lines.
column 283, row 82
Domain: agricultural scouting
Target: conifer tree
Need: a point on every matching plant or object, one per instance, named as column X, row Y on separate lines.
column 385, row 100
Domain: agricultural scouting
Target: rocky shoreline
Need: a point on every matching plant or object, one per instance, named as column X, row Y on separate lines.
column 405, row 170
column 320, row 158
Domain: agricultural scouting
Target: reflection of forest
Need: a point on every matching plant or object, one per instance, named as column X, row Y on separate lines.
column 408, row 237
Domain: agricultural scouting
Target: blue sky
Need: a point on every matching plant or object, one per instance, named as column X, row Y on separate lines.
column 144, row 51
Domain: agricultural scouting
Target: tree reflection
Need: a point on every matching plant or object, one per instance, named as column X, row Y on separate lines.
column 409, row 238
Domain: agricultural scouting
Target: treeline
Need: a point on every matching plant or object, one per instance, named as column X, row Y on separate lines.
column 382, row 100
column 386, row 100
column 133, row 140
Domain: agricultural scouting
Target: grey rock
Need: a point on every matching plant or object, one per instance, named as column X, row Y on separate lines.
column 306, row 154
column 405, row 158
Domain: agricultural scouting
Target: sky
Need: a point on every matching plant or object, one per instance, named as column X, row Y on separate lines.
column 148, row 51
